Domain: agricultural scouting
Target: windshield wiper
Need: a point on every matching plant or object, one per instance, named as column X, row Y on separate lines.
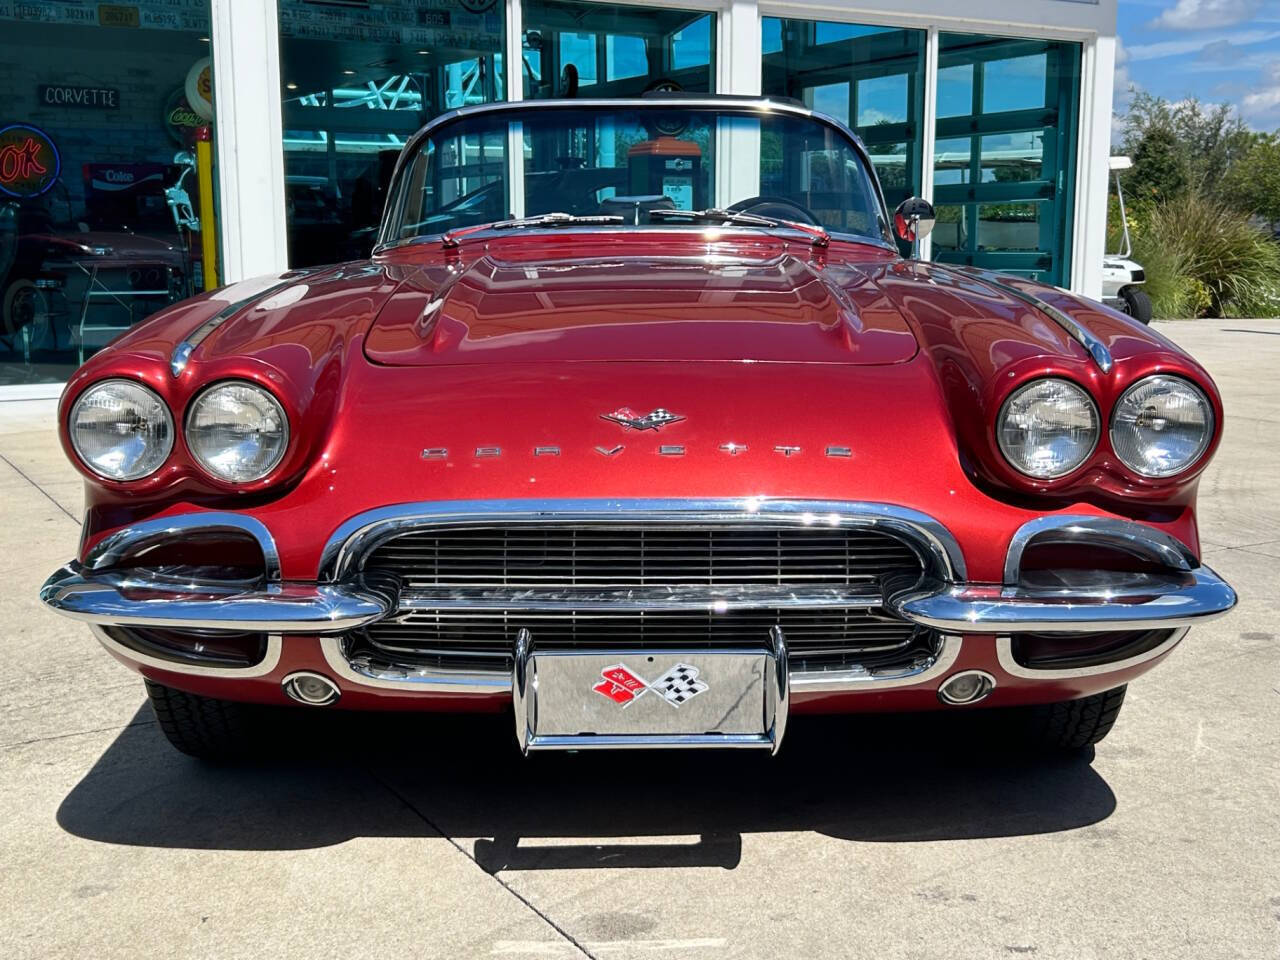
column 716, row 215
column 557, row 219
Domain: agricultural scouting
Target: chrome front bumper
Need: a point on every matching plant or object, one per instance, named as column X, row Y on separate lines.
column 100, row 593
column 1126, row 602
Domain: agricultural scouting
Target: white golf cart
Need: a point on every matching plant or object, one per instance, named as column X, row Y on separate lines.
column 1121, row 277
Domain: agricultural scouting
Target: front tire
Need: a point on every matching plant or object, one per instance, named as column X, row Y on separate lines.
column 1136, row 304
column 1073, row 724
column 218, row 730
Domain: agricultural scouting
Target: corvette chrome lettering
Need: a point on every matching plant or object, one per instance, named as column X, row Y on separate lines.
column 492, row 452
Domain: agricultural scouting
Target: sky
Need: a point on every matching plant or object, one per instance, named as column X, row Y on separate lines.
column 1216, row 50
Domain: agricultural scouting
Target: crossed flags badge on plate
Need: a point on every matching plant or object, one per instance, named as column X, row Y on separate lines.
column 624, row 686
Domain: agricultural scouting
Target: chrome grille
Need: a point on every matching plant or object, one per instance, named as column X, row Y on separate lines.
column 534, row 560
column 532, row 556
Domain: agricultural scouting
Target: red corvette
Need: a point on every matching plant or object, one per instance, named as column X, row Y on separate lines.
column 638, row 425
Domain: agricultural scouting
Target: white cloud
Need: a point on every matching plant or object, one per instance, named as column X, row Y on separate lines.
column 1122, row 92
column 1199, row 14
column 1261, row 107
column 1178, row 48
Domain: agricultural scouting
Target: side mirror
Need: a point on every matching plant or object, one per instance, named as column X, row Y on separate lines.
column 914, row 220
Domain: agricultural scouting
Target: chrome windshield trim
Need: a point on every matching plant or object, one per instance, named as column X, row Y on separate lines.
column 708, row 599
column 270, row 659
column 112, row 599
column 355, row 538
column 1010, row 665
column 741, row 105
column 112, row 549
column 1134, row 602
column 1138, row 539
column 1090, row 341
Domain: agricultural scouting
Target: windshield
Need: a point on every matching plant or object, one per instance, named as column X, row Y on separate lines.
column 633, row 163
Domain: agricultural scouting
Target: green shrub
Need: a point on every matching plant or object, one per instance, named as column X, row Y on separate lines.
column 1203, row 258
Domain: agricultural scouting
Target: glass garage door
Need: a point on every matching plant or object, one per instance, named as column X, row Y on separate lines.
column 573, row 49
column 872, row 78
column 1004, row 159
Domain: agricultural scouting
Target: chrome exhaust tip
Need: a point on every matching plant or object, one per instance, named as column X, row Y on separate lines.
column 966, row 687
column 313, row 689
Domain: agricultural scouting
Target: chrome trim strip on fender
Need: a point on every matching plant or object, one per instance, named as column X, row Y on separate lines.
column 355, row 538
column 1076, row 330
column 182, row 352
column 111, row 550
column 1004, row 653
column 269, row 661
column 1133, row 538
column 1131, row 602
column 105, row 598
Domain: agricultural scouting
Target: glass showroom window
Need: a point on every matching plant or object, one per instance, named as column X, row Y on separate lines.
column 613, row 50
column 1004, row 159
column 872, row 78
column 358, row 81
column 100, row 214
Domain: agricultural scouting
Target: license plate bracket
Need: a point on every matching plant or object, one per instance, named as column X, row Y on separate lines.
column 585, row 699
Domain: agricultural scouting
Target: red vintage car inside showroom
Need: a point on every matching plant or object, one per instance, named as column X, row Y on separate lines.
column 643, row 425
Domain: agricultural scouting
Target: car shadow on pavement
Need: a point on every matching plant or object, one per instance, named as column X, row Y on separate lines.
column 338, row 776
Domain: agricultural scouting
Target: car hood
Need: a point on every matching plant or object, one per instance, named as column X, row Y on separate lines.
column 759, row 301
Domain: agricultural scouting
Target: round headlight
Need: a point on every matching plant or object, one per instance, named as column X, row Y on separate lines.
column 238, row 432
column 121, row 430
column 1161, row 426
column 1047, row 428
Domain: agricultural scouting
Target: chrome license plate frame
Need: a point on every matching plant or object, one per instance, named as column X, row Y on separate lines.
column 637, row 698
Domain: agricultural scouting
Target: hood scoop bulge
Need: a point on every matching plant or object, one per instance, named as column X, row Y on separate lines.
column 638, row 308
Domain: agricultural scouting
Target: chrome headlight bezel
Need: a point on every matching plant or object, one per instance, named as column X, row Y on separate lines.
column 1202, row 447
column 150, row 465
column 1089, row 405
column 202, row 457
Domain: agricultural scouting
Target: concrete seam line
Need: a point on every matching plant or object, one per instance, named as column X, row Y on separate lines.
column 78, row 733
column 457, row 846
column 19, row 472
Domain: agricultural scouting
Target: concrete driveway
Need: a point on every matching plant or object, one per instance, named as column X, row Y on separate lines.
column 865, row 838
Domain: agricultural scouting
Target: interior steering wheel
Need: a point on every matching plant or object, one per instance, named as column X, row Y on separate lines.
column 779, row 208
